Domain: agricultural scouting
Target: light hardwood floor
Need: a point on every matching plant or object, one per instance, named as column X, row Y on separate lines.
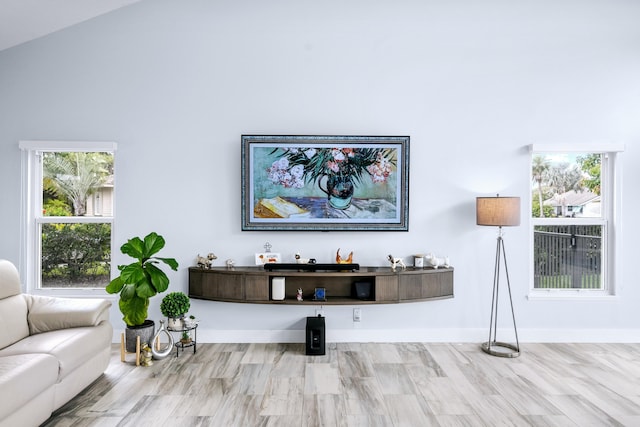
column 367, row 384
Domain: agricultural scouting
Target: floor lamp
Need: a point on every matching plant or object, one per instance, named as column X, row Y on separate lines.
column 499, row 212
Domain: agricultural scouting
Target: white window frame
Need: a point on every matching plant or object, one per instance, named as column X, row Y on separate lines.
column 31, row 211
column 610, row 176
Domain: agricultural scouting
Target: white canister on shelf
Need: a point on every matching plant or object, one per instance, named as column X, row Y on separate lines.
column 277, row 288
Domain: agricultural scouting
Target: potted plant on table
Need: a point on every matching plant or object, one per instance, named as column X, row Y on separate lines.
column 186, row 337
column 190, row 322
column 174, row 306
column 137, row 283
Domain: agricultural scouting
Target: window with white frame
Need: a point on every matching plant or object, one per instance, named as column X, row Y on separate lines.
column 573, row 212
column 68, row 213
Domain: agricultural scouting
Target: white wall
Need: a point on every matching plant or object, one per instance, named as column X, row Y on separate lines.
column 472, row 83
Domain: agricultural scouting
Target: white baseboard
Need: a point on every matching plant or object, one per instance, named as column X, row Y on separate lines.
column 581, row 335
column 417, row 335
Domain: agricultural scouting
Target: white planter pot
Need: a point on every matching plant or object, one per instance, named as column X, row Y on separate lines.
column 175, row 323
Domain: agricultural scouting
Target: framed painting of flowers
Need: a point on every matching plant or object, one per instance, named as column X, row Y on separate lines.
column 325, row 183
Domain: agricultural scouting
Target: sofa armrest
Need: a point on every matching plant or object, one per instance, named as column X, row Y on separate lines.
column 52, row 313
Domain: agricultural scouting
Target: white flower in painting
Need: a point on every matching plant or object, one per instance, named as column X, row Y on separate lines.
column 280, row 173
column 297, row 171
column 380, row 170
column 338, row 155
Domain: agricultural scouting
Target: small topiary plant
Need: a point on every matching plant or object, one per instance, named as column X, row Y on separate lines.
column 175, row 304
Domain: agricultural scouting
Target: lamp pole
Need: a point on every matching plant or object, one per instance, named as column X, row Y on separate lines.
column 490, row 346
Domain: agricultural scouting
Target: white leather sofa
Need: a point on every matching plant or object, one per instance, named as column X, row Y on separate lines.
column 50, row 350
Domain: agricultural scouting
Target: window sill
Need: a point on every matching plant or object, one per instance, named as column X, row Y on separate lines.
column 73, row 293
column 577, row 295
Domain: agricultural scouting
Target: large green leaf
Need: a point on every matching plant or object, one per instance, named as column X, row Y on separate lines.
column 128, row 292
column 159, row 279
column 115, row 285
column 132, row 273
column 134, row 310
column 134, row 248
column 152, row 244
column 144, row 289
column 171, row 262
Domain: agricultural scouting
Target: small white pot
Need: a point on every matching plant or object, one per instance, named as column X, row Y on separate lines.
column 175, row 322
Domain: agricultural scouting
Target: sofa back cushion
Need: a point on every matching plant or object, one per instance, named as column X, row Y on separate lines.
column 13, row 306
column 9, row 279
column 13, row 318
column 53, row 313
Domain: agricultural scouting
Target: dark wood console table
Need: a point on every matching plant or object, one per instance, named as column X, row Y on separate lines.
column 253, row 285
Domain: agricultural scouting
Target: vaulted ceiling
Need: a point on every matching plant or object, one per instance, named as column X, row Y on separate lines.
column 25, row 20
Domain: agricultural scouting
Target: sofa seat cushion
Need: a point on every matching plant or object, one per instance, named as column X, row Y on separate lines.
column 23, row 377
column 71, row 347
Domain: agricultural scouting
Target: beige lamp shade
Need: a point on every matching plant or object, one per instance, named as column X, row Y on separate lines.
column 498, row 211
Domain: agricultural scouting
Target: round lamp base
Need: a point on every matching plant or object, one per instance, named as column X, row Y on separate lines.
column 500, row 349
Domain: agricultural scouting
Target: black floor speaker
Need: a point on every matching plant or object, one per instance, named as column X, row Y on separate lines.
column 315, row 342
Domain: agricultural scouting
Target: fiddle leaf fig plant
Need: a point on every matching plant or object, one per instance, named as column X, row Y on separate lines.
column 141, row 279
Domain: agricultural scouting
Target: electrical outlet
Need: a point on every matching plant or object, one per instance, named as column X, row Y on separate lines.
column 319, row 312
column 357, row 314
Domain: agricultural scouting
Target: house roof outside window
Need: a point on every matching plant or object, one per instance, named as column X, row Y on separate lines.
column 576, row 203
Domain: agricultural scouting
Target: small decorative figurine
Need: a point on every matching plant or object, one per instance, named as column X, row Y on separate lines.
column 201, row 261
column 436, row 262
column 206, row 262
column 146, row 355
column 211, row 256
column 339, row 259
column 299, row 294
column 230, row 263
column 396, row 262
column 301, row 260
